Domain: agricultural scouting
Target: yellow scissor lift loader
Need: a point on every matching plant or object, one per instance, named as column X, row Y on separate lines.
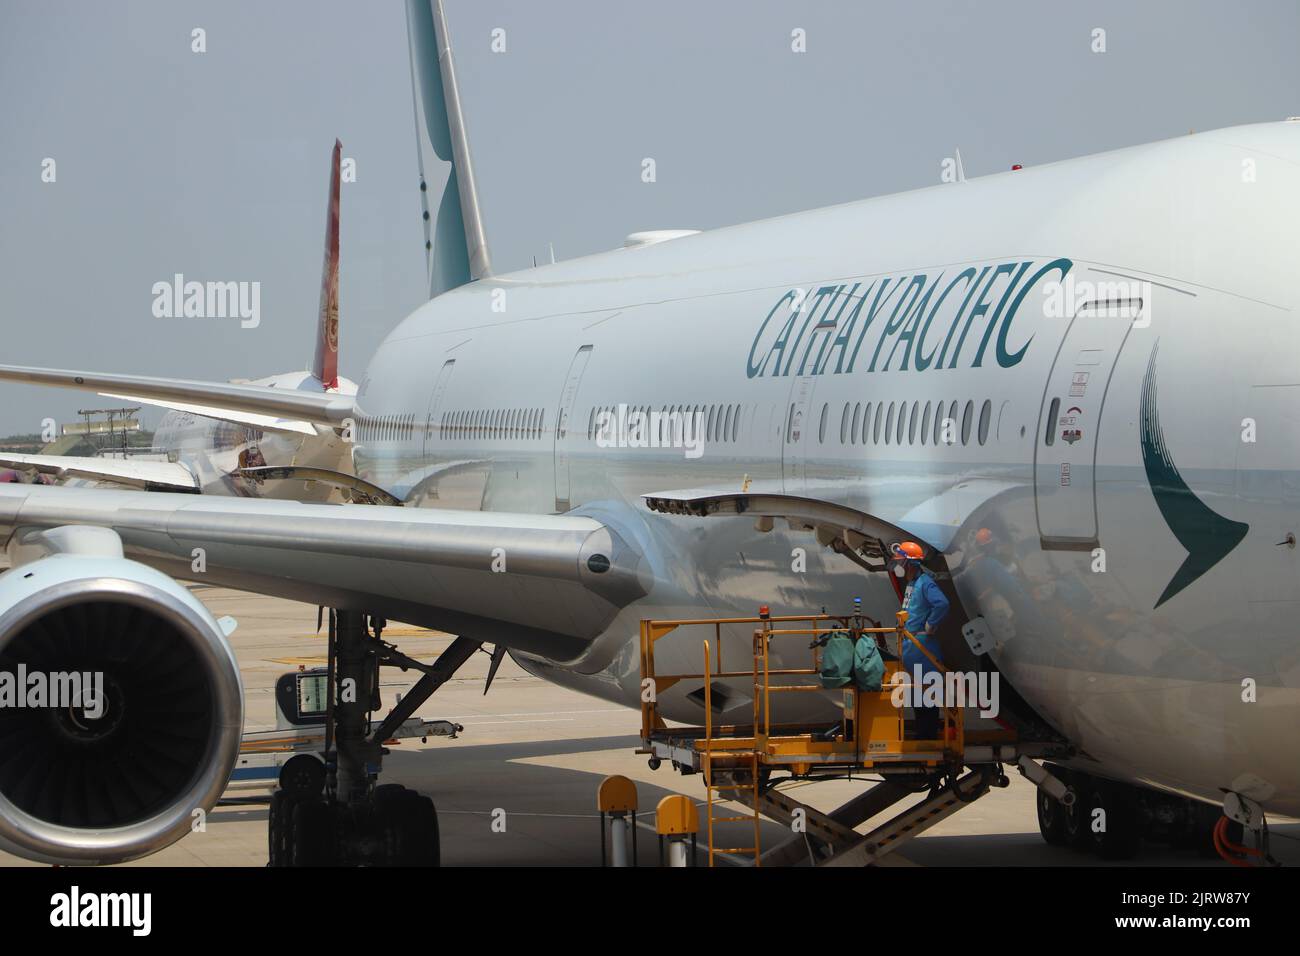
column 736, row 761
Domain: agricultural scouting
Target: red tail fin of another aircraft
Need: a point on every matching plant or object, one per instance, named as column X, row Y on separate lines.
column 326, row 364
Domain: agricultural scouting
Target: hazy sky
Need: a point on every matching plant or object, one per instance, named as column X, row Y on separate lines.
column 215, row 164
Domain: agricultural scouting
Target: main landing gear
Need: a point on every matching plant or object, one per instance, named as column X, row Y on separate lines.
column 1112, row 819
column 335, row 813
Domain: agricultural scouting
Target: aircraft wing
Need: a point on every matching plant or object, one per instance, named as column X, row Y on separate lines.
column 546, row 584
column 329, row 409
column 149, row 475
column 266, row 423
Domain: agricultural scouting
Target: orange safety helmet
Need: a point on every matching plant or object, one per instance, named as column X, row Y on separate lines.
column 908, row 551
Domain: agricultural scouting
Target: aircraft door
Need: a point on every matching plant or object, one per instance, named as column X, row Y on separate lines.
column 432, row 425
column 563, row 430
column 1065, row 448
column 798, row 427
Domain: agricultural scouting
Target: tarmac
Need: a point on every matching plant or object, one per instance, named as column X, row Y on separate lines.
column 518, row 786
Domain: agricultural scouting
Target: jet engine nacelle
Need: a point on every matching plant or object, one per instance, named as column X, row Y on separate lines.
column 121, row 709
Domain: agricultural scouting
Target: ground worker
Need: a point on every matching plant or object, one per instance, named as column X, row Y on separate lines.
column 926, row 606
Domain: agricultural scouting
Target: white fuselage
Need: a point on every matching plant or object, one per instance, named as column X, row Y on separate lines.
column 216, row 449
column 1131, row 574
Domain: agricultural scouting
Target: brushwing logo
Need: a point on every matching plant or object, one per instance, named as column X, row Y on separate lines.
column 1206, row 534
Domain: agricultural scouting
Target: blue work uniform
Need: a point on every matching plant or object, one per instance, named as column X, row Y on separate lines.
column 925, row 603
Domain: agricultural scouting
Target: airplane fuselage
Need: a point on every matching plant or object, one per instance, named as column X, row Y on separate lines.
column 1093, row 363
column 215, row 450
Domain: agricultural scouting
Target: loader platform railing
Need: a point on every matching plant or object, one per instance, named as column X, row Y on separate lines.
column 872, row 725
column 736, row 760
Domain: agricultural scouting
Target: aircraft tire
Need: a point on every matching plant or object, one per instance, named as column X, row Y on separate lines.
column 1051, row 819
column 1077, row 816
column 411, row 823
column 1122, row 836
column 312, row 839
column 278, row 823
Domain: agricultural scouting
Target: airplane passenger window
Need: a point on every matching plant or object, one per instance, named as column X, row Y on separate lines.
column 966, row 419
column 986, row 415
column 925, row 424
column 844, row 425
column 875, row 429
column 710, row 431
column 857, row 411
column 1052, row 412
column 866, row 424
column 915, row 420
column 821, row 431
column 733, row 426
column 889, row 423
column 902, row 416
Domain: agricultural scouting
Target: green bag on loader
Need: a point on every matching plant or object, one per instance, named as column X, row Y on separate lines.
column 837, row 661
column 868, row 665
